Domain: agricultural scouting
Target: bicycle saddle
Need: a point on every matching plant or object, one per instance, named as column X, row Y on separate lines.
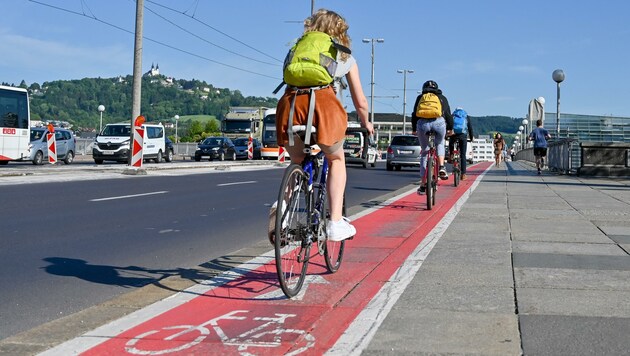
column 300, row 130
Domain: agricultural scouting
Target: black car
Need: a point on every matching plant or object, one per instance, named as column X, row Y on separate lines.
column 241, row 147
column 169, row 150
column 220, row 148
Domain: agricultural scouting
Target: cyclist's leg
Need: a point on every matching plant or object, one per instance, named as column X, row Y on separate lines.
column 439, row 126
column 338, row 227
column 463, row 145
column 422, row 128
column 336, row 181
column 296, row 152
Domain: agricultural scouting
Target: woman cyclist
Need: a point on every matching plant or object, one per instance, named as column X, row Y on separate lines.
column 330, row 118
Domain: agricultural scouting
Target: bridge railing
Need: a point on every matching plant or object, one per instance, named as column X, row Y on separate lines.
column 563, row 155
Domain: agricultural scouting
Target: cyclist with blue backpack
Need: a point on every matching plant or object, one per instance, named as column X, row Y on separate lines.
column 431, row 113
column 462, row 133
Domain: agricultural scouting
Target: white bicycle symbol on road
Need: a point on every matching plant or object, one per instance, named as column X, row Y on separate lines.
column 256, row 337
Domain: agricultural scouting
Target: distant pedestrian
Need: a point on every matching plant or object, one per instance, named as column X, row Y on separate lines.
column 540, row 136
column 499, row 145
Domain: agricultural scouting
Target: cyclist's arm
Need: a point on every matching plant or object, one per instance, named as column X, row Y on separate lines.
column 470, row 130
column 414, row 118
column 358, row 97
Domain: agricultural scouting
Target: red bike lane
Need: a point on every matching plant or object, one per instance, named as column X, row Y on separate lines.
column 249, row 315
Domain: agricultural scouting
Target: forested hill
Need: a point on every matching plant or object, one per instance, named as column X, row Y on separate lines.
column 77, row 101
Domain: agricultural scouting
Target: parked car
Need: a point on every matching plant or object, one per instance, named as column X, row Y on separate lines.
column 65, row 143
column 241, row 147
column 403, row 151
column 169, row 149
column 220, row 148
column 359, row 147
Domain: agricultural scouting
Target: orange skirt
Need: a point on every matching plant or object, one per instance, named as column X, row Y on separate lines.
column 330, row 117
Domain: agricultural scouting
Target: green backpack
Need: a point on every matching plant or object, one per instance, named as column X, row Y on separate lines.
column 312, row 61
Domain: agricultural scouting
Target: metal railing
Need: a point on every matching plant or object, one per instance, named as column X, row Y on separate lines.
column 563, row 155
column 183, row 150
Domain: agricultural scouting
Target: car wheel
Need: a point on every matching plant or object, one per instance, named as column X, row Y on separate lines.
column 398, row 168
column 169, row 155
column 197, row 158
column 390, row 167
column 233, row 156
column 98, row 161
column 69, row 158
column 39, row 158
column 158, row 158
column 222, row 156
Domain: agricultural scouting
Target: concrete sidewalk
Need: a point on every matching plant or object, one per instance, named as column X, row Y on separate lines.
column 534, row 265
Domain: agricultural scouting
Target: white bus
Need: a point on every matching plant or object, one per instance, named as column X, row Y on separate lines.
column 15, row 123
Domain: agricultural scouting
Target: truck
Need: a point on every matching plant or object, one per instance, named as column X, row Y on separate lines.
column 243, row 121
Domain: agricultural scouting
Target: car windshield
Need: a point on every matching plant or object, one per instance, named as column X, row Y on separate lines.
column 116, row 130
column 213, row 141
column 405, row 141
column 241, row 142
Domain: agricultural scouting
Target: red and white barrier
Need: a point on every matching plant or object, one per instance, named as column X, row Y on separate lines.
column 52, row 145
column 281, row 154
column 138, row 141
column 250, row 148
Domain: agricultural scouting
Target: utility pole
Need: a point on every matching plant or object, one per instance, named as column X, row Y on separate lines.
column 137, row 72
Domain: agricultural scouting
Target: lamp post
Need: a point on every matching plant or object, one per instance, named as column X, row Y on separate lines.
column 176, row 136
column 101, row 108
column 372, row 40
column 404, row 72
column 558, row 77
column 525, row 136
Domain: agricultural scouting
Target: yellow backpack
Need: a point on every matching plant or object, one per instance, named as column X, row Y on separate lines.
column 430, row 106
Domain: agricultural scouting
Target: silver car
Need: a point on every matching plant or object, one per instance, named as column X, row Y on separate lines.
column 403, row 151
column 65, row 143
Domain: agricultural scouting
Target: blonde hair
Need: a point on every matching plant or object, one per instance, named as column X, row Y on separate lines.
column 331, row 23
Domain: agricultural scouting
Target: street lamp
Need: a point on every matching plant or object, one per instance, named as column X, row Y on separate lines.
column 373, row 40
column 558, row 77
column 101, row 108
column 176, row 137
column 405, row 71
column 525, row 137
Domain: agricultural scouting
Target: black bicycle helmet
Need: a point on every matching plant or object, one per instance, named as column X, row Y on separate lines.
column 429, row 84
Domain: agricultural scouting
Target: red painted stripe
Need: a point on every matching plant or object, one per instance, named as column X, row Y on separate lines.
column 229, row 320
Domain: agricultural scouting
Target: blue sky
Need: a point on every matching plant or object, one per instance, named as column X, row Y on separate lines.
column 489, row 56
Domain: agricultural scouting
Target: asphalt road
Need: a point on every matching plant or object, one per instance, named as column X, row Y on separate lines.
column 70, row 245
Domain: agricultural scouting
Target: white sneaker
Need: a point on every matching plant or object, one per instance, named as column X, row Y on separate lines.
column 340, row 230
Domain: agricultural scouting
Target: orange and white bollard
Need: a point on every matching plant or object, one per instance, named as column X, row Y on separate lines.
column 280, row 154
column 138, row 141
column 250, row 148
column 52, row 145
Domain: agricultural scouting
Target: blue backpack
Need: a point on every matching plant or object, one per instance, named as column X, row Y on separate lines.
column 460, row 121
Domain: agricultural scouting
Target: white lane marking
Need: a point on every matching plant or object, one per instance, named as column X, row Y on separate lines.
column 236, row 183
column 130, row 196
column 359, row 334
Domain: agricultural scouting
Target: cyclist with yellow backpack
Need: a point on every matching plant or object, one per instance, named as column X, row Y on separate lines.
column 431, row 113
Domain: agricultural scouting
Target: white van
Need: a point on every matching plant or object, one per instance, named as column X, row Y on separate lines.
column 113, row 143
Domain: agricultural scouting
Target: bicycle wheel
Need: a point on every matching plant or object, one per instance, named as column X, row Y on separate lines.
column 333, row 253
column 292, row 224
column 430, row 179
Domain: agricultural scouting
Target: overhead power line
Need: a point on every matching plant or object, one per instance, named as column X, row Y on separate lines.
column 215, row 29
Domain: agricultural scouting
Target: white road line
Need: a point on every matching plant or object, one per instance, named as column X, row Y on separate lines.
column 130, row 196
column 236, row 183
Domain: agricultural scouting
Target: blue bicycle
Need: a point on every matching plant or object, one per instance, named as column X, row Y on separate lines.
column 300, row 220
